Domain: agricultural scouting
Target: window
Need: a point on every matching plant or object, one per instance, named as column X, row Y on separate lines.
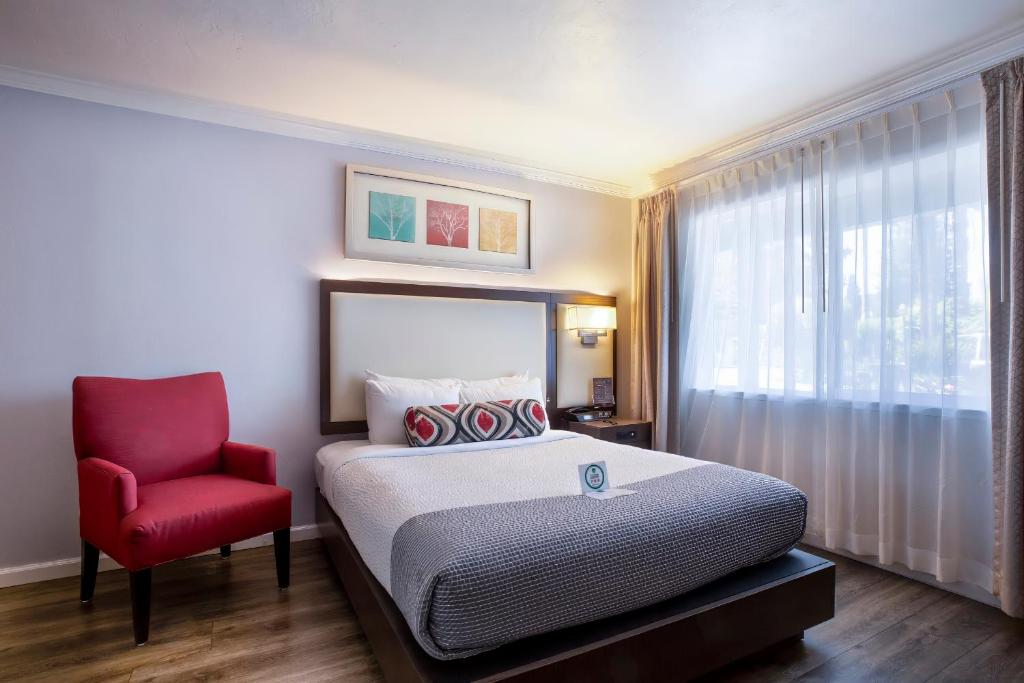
column 853, row 270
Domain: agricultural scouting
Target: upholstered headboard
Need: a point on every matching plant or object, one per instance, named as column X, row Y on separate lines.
column 420, row 330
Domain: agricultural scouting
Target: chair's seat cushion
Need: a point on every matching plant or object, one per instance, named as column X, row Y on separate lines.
column 181, row 517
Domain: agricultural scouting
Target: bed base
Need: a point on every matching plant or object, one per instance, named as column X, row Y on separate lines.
column 675, row 640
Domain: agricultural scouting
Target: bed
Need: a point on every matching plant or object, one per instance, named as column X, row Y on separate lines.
column 483, row 561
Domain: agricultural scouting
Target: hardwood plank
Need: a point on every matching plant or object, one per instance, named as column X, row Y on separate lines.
column 868, row 601
column 999, row 658
column 215, row 618
column 104, row 652
column 57, row 635
column 323, row 648
column 965, row 621
column 924, row 644
column 312, row 635
column 902, row 652
column 211, row 617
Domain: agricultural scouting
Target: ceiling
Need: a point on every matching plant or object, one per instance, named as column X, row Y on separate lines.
column 613, row 90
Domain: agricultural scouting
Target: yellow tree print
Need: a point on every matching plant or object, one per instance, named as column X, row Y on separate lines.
column 498, row 231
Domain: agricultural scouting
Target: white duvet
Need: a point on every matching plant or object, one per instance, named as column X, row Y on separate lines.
column 375, row 489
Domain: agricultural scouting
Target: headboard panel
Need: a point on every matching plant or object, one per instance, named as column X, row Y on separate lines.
column 420, row 330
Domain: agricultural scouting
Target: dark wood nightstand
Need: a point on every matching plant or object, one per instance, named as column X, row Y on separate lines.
column 617, row 430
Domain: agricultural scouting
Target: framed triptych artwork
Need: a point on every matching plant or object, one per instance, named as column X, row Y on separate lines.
column 411, row 218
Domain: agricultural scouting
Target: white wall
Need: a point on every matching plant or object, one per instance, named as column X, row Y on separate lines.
column 138, row 245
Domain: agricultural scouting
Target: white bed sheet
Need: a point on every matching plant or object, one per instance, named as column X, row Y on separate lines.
column 375, row 489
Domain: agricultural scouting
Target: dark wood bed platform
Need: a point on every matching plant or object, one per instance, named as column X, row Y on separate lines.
column 674, row 640
column 678, row 639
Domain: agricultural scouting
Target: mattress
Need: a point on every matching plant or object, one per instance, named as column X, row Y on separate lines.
column 483, row 544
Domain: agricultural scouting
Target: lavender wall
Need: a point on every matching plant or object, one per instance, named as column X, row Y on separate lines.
column 139, row 245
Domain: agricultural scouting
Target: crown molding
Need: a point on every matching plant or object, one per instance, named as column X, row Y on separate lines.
column 871, row 98
column 250, row 118
column 868, row 100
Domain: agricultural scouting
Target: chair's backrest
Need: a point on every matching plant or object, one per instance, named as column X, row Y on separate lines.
column 158, row 429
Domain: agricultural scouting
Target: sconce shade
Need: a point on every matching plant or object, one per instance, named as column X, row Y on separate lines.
column 590, row 318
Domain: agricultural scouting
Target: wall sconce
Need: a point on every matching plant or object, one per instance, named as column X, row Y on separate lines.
column 590, row 322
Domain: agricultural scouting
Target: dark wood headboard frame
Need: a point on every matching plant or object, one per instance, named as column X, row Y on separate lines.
column 550, row 299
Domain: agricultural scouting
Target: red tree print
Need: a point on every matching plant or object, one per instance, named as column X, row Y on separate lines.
column 447, row 224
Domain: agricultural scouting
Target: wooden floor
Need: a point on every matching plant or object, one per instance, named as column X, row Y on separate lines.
column 225, row 619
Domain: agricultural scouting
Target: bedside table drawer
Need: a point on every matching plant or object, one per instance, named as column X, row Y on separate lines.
column 627, row 434
column 616, row 430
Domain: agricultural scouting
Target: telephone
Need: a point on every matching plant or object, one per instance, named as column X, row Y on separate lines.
column 589, row 413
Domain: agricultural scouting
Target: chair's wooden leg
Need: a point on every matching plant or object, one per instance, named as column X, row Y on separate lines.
column 141, row 583
column 282, row 554
column 225, row 551
column 90, row 565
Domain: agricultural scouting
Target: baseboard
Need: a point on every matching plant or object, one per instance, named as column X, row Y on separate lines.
column 59, row 569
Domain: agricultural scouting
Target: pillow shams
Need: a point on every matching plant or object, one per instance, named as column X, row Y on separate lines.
column 447, row 382
column 530, row 388
column 496, row 381
column 386, row 405
column 450, row 381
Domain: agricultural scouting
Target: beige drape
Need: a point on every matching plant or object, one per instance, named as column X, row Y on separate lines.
column 654, row 278
column 1004, row 119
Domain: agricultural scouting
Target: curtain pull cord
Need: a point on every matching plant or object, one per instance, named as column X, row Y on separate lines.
column 803, row 295
column 821, row 205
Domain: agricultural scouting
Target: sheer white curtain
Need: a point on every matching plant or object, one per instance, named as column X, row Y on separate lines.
column 835, row 333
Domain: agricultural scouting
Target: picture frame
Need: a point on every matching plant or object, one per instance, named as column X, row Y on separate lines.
column 401, row 217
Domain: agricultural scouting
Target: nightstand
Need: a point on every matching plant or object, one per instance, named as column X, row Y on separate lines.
column 617, row 430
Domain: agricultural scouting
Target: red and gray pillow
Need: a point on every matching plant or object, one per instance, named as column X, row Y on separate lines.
column 471, row 422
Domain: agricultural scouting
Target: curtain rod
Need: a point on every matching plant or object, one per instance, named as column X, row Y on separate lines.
column 955, row 69
column 808, row 135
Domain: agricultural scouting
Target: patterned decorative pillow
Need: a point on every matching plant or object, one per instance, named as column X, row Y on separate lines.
column 471, row 422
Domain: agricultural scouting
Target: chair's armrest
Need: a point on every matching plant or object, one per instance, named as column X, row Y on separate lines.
column 254, row 463
column 106, row 493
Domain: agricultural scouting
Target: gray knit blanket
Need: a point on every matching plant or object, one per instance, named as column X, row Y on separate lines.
column 474, row 578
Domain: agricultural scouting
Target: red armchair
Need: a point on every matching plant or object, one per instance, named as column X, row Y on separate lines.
column 158, row 480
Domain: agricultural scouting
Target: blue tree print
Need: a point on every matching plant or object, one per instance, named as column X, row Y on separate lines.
column 392, row 217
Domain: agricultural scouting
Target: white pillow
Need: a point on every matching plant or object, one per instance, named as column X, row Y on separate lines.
column 503, row 391
column 445, row 382
column 495, row 382
column 386, row 405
